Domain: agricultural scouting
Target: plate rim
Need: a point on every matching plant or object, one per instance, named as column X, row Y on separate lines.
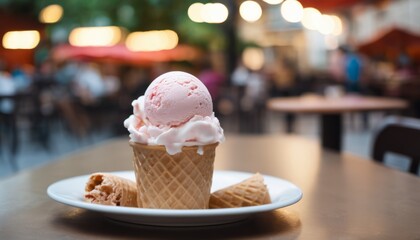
column 174, row 213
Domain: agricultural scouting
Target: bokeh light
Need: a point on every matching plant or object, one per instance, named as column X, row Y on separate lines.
column 95, row 36
column 253, row 58
column 273, row 2
column 292, row 11
column 152, row 40
column 338, row 25
column 311, row 18
column 209, row 12
column 194, row 12
column 51, row 14
column 326, row 25
column 250, row 11
column 214, row 13
column 21, row 39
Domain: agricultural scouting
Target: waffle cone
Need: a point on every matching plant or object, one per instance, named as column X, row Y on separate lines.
column 250, row 192
column 108, row 189
column 179, row 181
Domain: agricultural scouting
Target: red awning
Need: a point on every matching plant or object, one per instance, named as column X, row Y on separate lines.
column 333, row 5
column 390, row 44
column 119, row 53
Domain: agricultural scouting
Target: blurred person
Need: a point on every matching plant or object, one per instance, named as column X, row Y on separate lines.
column 256, row 90
column 253, row 101
column 212, row 80
column 43, row 86
column 404, row 67
column 283, row 77
column 73, row 115
column 159, row 68
column 240, row 79
column 22, row 78
column 8, row 124
column 104, row 112
column 42, row 52
column 240, row 75
column 252, row 95
column 66, row 72
column 44, row 102
column 111, row 80
column 336, row 65
column 7, row 88
column 111, row 84
column 353, row 70
column 134, row 83
column 88, row 84
column 353, row 66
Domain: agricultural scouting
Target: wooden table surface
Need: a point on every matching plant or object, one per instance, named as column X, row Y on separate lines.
column 331, row 111
column 344, row 197
column 323, row 105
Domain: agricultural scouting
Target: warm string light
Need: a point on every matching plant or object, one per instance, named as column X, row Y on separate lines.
column 21, row 39
column 152, row 40
column 250, row 11
column 311, row 18
column 273, row 2
column 338, row 26
column 326, row 26
column 136, row 41
column 194, row 12
column 208, row 13
column 95, row 36
column 292, row 11
column 51, row 14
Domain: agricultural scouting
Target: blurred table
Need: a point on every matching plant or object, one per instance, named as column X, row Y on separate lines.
column 344, row 197
column 331, row 110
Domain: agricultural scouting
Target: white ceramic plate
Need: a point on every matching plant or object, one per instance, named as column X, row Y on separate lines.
column 283, row 193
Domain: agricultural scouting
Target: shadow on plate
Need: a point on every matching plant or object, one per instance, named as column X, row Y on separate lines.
column 271, row 224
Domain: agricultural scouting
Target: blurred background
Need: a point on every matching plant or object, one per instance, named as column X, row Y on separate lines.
column 69, row 70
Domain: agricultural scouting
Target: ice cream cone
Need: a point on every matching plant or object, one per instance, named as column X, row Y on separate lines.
column 108, row 189
column 250, row 192
column 179, row 181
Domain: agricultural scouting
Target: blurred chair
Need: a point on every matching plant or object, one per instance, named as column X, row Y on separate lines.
column 399, row 135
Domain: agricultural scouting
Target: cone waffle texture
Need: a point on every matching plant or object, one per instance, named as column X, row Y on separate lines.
column 250, row 192
column 180, row 181
column 108, row 189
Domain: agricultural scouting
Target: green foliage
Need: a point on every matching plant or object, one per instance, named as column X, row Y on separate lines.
column 134, row 15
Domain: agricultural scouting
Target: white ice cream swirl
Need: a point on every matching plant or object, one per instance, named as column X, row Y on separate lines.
column 198, row 131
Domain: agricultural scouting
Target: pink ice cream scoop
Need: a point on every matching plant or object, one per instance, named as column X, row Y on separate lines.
column 175, row 111
column 174, row 98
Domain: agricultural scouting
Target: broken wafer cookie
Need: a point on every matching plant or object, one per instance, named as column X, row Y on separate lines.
column 108, row 189
column 250, row 192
